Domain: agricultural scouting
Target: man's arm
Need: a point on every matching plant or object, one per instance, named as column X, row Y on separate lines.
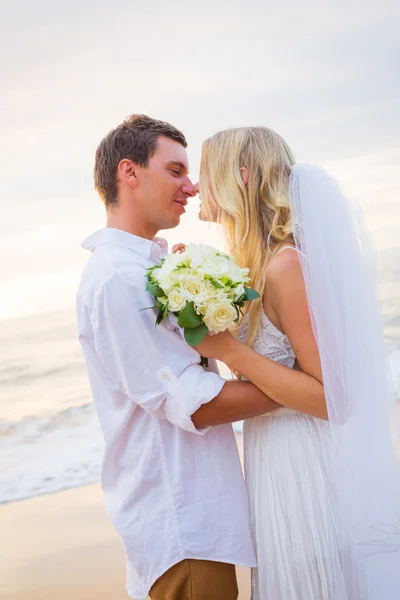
column 236, row 401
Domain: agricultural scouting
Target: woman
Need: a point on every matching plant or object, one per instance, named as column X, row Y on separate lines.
column 318, row 495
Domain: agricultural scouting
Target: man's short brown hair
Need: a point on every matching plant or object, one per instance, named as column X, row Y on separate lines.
column 135, row 139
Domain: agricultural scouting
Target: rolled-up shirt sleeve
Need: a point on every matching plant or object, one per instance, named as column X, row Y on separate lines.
column 139, row 356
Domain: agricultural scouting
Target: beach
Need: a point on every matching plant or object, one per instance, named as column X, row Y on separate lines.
column 57, row 541
column 63, row 546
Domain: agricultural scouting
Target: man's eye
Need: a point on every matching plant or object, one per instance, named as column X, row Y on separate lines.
column 175, row 172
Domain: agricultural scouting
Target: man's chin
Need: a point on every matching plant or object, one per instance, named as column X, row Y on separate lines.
column 171, row 223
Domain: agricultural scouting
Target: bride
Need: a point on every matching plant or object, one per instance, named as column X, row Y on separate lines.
column 320, row 471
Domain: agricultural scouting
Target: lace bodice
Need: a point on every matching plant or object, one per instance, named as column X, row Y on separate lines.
column 273, row 344
column 269, row 341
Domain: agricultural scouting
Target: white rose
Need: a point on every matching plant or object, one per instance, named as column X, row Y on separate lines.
column 191, row 287
column 209, row 291
column 167, row 283
column 208, row 294
column 176, row 301
column 219, row 315
column 201, row 309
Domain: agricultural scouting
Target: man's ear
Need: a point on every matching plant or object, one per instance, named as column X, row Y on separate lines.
column 244, row 174
column 127, row 172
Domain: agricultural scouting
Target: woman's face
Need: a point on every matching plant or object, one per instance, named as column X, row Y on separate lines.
column 209, row 215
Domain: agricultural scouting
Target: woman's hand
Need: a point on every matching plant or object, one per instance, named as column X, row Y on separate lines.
column 178, row 248
column 219, row 346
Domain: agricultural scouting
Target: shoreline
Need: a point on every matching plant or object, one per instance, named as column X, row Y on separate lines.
column 49, row 493
column 62, row 545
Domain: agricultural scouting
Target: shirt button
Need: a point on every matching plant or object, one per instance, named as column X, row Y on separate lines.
column 165, row 376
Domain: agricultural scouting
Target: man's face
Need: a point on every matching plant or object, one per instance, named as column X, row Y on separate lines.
column 164, row 186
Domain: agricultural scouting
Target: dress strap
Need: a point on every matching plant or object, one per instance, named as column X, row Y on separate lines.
column 286, row 248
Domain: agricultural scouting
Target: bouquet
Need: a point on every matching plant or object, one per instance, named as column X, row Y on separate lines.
column 203, row 287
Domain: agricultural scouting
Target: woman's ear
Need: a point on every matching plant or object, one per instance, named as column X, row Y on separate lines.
column 244, row 174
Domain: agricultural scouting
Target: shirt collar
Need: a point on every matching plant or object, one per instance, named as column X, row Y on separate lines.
column 151, row 249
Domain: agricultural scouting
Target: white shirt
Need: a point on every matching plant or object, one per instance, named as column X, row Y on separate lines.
column 172, row 491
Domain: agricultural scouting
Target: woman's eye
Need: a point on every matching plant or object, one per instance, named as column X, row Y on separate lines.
column 175, row 172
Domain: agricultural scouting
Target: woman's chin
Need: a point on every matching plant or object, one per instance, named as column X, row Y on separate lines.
column 202, row 217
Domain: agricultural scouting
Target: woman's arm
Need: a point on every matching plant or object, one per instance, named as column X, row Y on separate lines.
column 302, row 390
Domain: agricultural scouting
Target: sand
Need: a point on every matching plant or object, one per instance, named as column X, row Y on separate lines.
column 62, row 546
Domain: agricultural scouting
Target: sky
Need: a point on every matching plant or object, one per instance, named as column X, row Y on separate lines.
column 322, row 74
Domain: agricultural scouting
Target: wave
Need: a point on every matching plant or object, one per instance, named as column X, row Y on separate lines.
column 46, row 454
column 21, row 374
column 33, row 426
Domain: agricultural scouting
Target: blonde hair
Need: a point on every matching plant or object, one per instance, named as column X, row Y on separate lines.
column 255, row 216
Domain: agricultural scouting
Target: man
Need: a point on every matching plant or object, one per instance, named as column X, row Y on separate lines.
column 171, row 474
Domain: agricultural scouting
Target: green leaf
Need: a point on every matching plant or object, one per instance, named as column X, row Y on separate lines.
column 150, row 271
column 237, row 312
column 196, row 335
column 226, row 281
column 251, row 294
column 217, row 284
column 188, row 318
column 147, row 308
column 154, row 290
column 241, row 298
column 204, row 362
column 160, row 317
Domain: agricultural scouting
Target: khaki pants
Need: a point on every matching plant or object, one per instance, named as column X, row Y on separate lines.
column 197, row 580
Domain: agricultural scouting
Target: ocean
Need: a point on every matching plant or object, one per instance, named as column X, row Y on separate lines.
column 50, row 439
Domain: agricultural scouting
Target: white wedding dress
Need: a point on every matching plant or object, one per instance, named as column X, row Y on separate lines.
column 288, row 475
column 325, row 497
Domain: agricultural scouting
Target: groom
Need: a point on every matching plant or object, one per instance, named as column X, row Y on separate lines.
column 171, row 474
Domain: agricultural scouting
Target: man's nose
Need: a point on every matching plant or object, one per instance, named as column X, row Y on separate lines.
column 188, row 188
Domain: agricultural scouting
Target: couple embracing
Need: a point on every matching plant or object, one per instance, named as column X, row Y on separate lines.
column 318, row 515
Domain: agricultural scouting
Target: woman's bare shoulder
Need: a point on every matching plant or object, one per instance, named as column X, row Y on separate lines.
column 283, row 267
